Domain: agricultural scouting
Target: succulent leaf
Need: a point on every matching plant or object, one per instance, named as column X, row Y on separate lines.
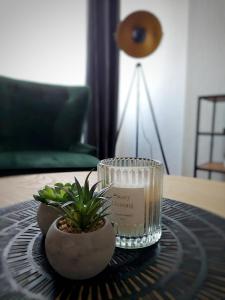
column 83, row 208
column 56, row 194
column 87, row 208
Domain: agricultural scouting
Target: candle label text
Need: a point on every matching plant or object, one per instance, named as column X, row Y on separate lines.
column 127, row 205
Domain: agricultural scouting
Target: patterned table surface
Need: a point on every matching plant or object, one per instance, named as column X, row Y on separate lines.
column 187, row 263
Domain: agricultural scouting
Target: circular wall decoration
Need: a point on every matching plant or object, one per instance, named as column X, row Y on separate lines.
column 187, row 263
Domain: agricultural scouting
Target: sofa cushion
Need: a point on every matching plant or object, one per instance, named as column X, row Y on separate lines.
column 69, row 124
column 83, row 148
column 35, row 116
column 46, row 159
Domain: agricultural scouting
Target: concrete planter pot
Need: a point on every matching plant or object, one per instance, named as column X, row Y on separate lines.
column 80, row 255
column 46, row 215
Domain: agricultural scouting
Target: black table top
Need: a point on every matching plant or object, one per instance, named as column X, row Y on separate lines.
column 187, row 263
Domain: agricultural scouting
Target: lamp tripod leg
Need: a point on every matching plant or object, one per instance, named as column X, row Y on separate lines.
column 139, row 72
column 155, row 122
column 126, row 105
column 137, row 110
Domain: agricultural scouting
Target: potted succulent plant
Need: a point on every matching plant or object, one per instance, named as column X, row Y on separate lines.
column 80, row 244
column 51, row 199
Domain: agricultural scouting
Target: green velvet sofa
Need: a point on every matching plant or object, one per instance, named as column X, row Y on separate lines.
column 41, row 127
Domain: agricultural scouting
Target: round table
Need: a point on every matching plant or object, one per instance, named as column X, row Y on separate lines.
column 187, row 263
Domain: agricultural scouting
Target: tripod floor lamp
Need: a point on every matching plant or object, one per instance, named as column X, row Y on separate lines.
column 139, row 35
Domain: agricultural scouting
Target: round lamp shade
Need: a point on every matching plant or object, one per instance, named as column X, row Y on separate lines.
column 139, row 34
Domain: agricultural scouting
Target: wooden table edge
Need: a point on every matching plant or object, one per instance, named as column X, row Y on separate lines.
column 209, row 195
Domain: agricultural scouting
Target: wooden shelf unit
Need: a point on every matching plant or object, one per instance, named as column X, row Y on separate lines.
column 210, row 166
column 213, row 167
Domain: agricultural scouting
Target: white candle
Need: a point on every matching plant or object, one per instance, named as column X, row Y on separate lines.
column 135, row 195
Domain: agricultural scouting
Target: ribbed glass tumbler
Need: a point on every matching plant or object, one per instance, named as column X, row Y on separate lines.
column 135, row 195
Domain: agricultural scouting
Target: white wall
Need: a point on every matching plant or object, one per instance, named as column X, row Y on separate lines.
column 43, row 40
column 165, row 72
column 205, row 76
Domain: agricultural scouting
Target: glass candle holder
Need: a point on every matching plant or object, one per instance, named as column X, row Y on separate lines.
column 135, row 196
